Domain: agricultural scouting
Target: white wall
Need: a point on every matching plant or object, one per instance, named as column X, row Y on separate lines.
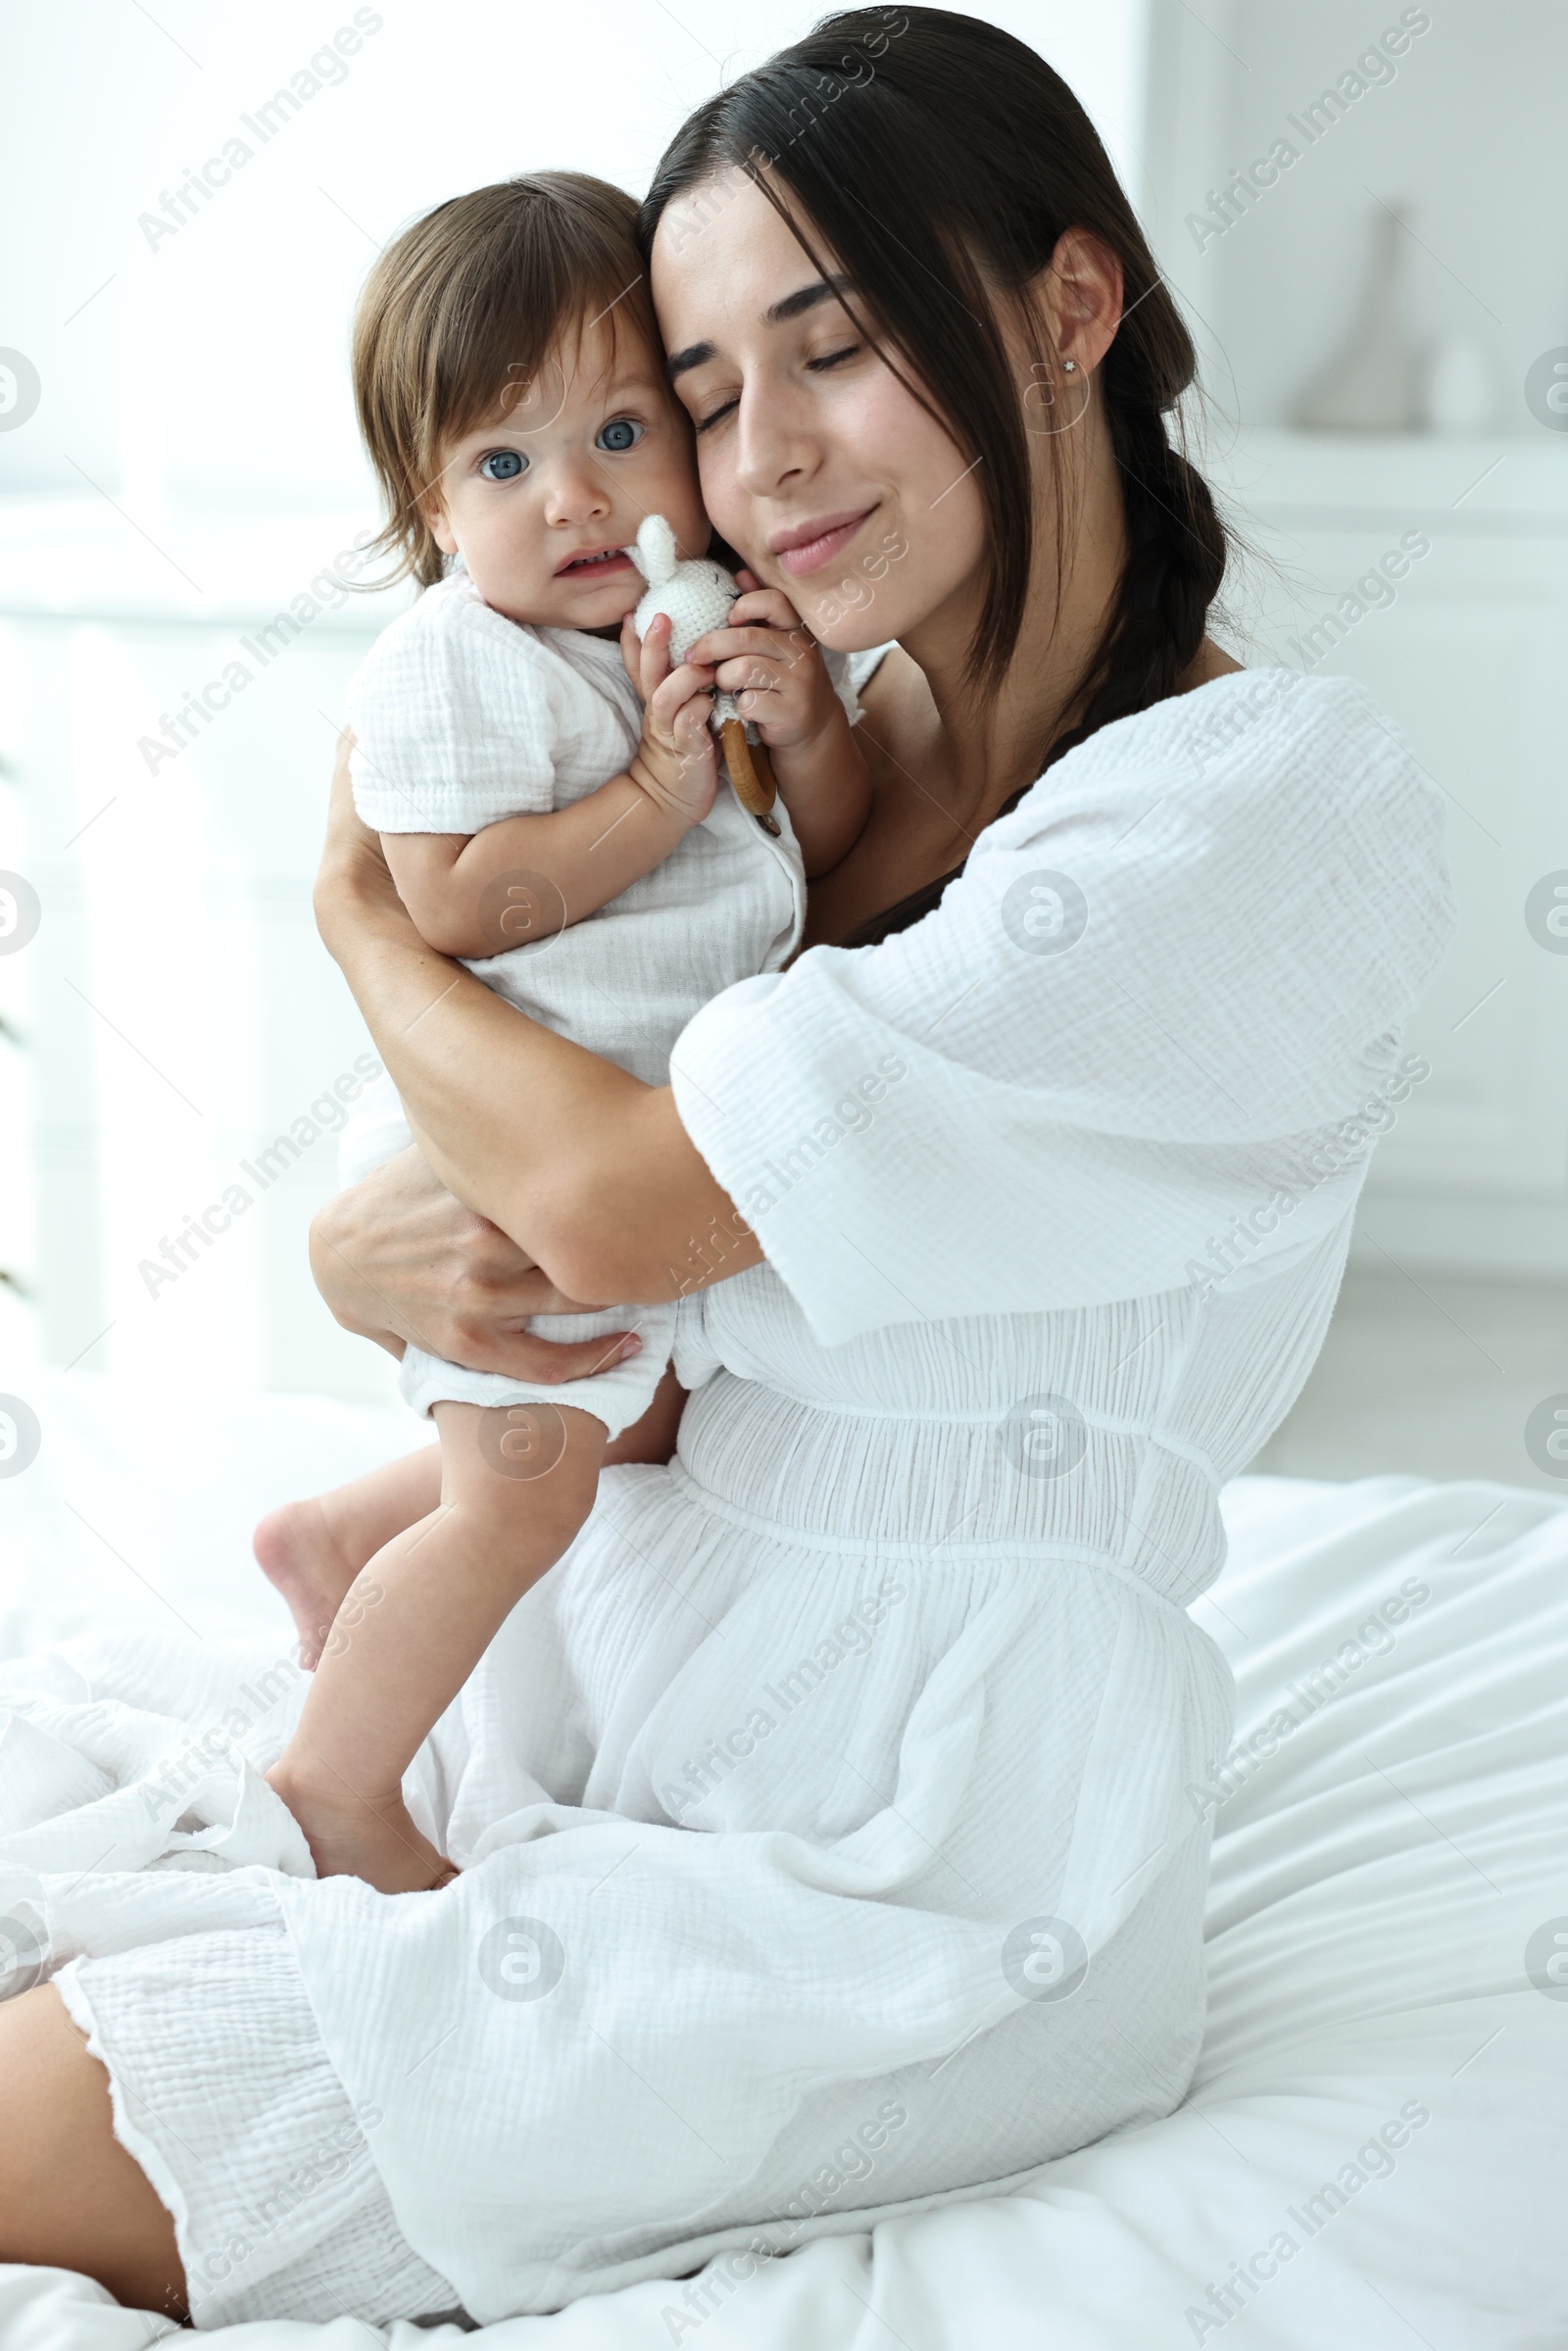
column 1471, row 133
column 191, row 464
column 211, row 363
column 1469, row 137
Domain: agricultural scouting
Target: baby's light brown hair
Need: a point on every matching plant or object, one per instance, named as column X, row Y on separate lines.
column 462, row 307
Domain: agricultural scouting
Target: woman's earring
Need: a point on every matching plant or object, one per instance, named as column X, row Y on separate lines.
column 1040, row 394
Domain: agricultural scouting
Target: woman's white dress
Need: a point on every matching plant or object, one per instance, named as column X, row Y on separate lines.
column 833, row 1817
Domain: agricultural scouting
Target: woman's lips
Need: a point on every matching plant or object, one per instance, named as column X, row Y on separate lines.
column 814, row 544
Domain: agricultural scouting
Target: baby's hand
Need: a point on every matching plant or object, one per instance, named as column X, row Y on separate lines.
column 769, row 660
column 675, row 762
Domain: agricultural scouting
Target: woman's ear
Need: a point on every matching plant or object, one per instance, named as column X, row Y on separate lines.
column 1080, row 293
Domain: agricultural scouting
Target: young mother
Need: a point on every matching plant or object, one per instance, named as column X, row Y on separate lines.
column 833, row 1816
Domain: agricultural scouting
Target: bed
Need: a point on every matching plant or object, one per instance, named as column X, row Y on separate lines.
column 1374, row 2150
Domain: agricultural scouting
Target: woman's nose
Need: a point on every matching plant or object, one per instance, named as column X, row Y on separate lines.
column 772, row 446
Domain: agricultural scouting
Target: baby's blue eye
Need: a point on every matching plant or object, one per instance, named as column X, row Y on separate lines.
column 503, row 464
column 621, row 433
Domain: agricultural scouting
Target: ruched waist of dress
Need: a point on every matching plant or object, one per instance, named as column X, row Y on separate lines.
column 835, row 1485
column 1021, row 1550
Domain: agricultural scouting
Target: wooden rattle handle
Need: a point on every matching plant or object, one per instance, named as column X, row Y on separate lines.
column 750, row 772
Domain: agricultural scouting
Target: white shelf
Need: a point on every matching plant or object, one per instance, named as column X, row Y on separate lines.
column 1511, row 483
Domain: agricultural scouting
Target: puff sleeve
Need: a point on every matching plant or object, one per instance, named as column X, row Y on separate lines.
column 456, row 717
column 1183, row 960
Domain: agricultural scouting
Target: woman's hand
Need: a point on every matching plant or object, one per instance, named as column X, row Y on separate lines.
column 769, row 660
column 400, row 1261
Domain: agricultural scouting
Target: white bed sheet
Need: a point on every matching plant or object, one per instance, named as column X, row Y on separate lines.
column 1383, row 1881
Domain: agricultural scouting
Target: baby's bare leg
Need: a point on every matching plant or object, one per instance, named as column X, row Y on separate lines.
column 314, row 1549
column 516, row 1483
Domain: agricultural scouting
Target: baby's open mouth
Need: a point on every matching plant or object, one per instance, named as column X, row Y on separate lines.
column 596, row 559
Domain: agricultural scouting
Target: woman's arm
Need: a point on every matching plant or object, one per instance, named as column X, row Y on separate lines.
column 400, row 1261
column 587, row 1170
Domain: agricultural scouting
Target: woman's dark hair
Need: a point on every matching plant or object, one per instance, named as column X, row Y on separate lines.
column 939, row 161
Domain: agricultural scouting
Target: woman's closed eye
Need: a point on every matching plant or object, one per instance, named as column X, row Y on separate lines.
column 503, row 464
column 813, row 367
column 620, row 433
column 832, row 358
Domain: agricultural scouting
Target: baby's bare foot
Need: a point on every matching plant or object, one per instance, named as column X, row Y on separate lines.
column 351, row 1838
column 296, row 1550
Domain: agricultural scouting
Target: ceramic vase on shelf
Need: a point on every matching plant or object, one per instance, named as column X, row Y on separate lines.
column 1370, row 385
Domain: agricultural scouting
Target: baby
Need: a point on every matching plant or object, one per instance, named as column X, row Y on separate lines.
column 578, row 847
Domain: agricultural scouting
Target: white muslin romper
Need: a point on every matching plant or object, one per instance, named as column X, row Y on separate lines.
column 833, row 1817
column 463, row 717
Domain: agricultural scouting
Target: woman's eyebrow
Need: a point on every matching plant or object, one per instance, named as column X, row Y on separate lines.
column 792, row 306
column 695, row 355
column 806, row 298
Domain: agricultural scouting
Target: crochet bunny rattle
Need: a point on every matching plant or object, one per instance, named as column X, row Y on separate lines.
column 697, row 596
